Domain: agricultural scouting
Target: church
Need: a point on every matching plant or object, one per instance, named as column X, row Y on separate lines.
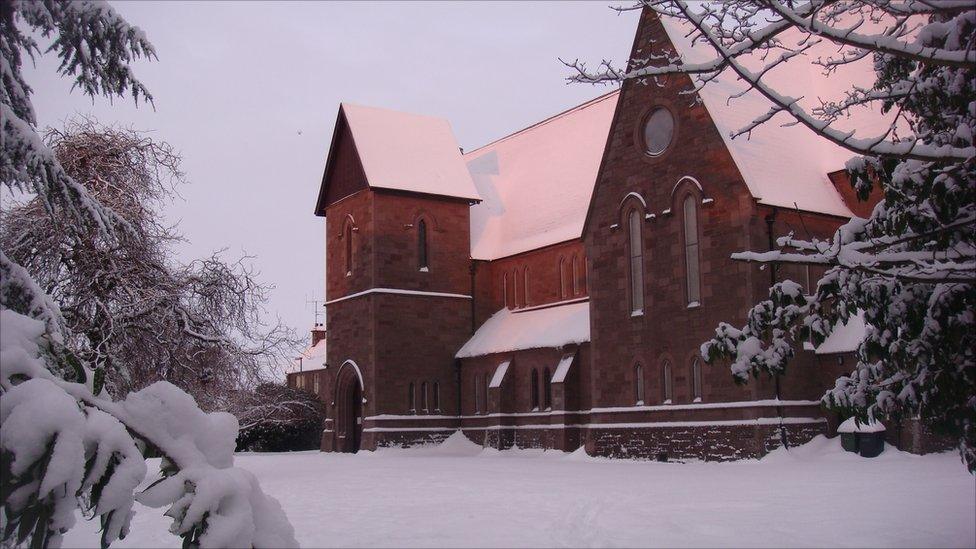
column 552, row 289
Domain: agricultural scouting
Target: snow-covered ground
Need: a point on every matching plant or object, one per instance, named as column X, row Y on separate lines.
column 460, row 495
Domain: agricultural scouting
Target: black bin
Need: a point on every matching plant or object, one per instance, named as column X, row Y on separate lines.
column 848, row 441
column 870, row 445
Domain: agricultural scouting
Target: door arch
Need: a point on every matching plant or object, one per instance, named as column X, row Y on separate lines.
column 349, row 408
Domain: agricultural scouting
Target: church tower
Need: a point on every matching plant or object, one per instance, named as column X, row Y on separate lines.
column 396, row 197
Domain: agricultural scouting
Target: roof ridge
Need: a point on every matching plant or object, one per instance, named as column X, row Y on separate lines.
column 544, row 121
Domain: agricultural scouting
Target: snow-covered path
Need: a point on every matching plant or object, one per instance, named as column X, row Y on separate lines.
column 460, row 495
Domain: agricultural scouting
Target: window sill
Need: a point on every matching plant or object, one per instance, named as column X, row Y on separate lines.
column 668, row 401
column 423, row 270
column 636, row 313
column 348, row 273
column 697, row 400
column 694, row 305
column 639, row 403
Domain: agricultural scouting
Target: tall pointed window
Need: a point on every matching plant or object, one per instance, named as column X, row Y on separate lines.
column 484, row 390
column 547, row 389
column 411, row 402
column 535, row 390
column 636, row 264
column 437, row 397
column 639, row 385
column 562, row 277
column 692, row 265
column 347, row 236
column 666, row 382
column 696, row 377
column 516, row 295
column 505, row 288
column 422, row 260
column 525, row 286
column 576, row 278
column 423, row 397
column 477, row 394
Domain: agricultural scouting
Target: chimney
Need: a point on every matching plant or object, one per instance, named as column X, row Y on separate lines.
column 318, row 334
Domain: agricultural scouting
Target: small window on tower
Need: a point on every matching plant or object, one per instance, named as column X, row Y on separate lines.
column 423, row 262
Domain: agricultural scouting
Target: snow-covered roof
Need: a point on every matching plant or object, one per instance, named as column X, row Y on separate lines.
column 409, row 152
column 562, row 369
column 784, row 165
column 499, row 376
column 509, row 330
column 536, row 184
column 845, row 337
column 313, row 358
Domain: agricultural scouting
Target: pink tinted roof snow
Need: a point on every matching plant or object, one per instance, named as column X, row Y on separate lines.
column 536, row 184
column 784, row 165
column 409, row 152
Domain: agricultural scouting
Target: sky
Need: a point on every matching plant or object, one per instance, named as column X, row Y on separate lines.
column 248, row 92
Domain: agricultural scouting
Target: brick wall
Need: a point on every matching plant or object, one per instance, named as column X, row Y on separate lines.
column 729, row 220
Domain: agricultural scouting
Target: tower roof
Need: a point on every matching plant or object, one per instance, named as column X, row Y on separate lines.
column 402, row 151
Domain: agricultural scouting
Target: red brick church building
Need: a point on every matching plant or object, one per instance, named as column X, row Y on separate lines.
column 552, row 288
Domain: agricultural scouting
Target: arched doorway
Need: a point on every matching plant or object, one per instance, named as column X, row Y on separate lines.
column 349, row 408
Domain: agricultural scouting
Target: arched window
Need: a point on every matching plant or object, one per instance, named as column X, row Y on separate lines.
column 423, row 397
column 692, row 265
column 667, row 382
column 484, row 389
column 535, row 389
column 422, row 261
column 437, row 397
column 515, row 290
column 525, row 286
column 547, row 389
column 562, row 277
column 477, row 394
column 505, row 288
column 576, row 278
column 347, row 236
column 639, row 385
column 411, row 402
column 636, row 264
column 696, row 379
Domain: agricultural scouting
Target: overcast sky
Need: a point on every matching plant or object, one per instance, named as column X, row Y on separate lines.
column 248, row 92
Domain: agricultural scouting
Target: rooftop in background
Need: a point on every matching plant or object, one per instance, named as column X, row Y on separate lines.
column 536, row 183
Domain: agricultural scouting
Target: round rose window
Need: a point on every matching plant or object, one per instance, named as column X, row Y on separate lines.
column 658, row 131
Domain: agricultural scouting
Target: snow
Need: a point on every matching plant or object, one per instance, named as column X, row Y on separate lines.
column 846, row 337
column 396, row 291
column 499, row 375
column 458, row 494
column 63, row 438
column 536, row 184
column 509, row 330
column 409, row 152
column 851, row 425
column 767, row 159
column 313, row 358
column 562, row 369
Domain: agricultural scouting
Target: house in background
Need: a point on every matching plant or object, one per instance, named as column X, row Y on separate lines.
column 552, row 288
